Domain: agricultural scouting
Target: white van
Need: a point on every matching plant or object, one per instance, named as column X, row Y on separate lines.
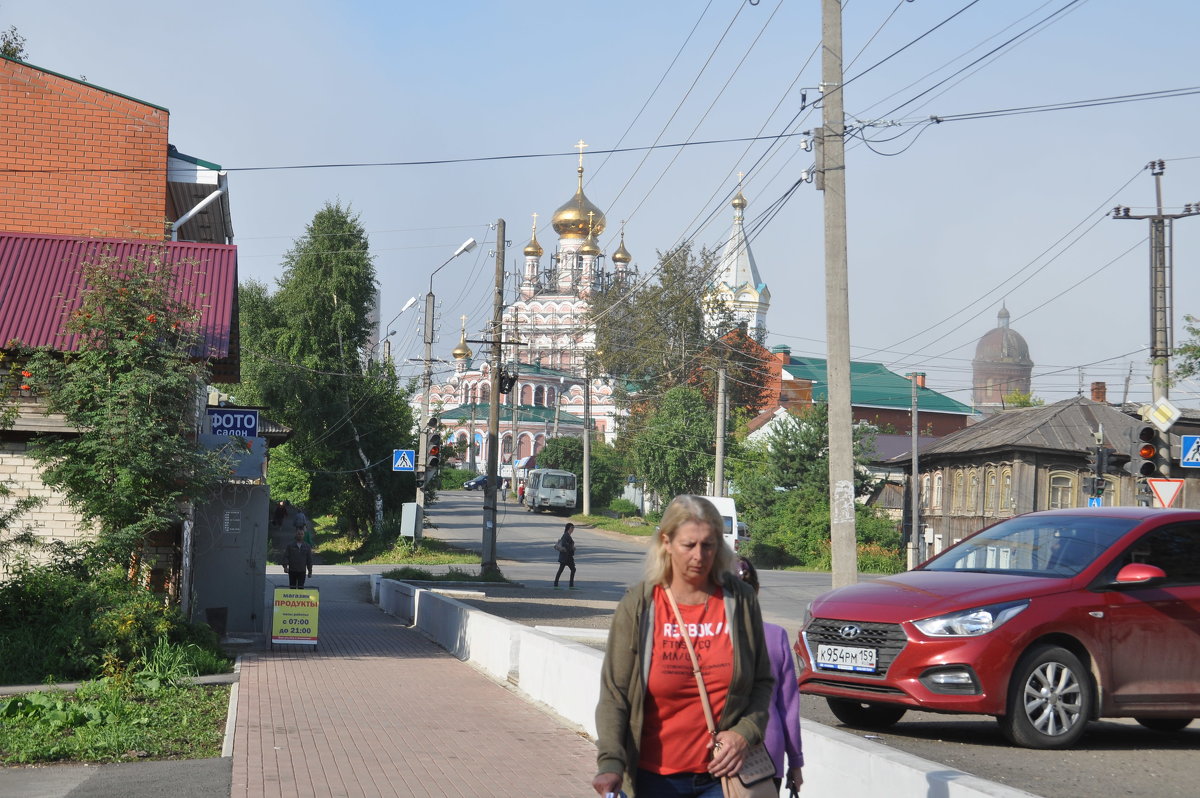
column 550, row 489
column 735, row 531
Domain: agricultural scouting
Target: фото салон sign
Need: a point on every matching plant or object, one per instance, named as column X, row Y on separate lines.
column 233, row 421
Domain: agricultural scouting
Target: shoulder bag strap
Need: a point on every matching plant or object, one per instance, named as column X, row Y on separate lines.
column 687, row 640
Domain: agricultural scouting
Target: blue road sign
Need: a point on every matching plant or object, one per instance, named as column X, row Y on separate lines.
column 404, row 459
column 1095, row 501
column 1189, row 455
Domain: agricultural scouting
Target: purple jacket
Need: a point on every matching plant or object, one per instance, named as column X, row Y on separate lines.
column 783, row 728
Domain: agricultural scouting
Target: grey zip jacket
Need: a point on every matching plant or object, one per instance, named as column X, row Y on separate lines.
column 623, row 677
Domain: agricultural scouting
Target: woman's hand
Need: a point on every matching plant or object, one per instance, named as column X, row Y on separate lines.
column 606, row 783
column 795, row 777
column 729, row 751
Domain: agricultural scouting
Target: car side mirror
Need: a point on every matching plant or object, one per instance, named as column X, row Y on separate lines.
column 1139, row 573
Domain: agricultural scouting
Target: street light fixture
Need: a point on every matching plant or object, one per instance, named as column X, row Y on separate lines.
column 466, row 246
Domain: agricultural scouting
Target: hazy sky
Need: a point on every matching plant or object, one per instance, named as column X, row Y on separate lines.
column 945, row 221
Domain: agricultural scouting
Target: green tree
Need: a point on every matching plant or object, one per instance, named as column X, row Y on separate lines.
column 130, row 390
column 12, row 44
column 306, row 358
column 1187, row 354
column 656, row 336
column 674, row 451
column 1015, row 398
column 782, row 488
column 606, row 472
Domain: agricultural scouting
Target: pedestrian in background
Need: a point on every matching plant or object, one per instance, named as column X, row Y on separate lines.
column 566, row 555
column 783, row 728
column 300, row 521
column 297, row 560
column 652, row 726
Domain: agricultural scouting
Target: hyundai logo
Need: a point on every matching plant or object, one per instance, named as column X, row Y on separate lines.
column 850, row 631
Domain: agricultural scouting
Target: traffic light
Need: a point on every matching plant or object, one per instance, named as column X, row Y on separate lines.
column 1143, row 451
column 433, row 456
column 1094, row 486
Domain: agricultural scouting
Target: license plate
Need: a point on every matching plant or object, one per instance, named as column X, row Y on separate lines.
column 846, row 658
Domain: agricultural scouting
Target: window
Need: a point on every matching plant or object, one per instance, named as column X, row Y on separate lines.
column 1175, row 549
column 937, row 490
column 972, row 491
column 1062, row 491
column 539, row 396
column 990, row 492
column 959, row 492
column 1112, row 492
column 925, row 491
column 1006, row 497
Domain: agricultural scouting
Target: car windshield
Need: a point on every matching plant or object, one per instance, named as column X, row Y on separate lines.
column 1060, row 545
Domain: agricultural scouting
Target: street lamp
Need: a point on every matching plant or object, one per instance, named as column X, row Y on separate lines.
column 466, row 246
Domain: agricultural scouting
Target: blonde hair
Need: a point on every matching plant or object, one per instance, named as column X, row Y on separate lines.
column 682, row 509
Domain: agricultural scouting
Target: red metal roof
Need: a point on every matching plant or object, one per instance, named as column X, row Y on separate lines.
column 40, row 282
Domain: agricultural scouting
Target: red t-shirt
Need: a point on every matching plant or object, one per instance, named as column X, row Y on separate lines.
column 674, row 734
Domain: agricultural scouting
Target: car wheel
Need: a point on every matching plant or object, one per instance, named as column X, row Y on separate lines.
column 1164, row 724
column 862, row 715
column 1049, row 699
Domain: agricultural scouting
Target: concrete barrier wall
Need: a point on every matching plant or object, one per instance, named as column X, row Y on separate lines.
column 565, row 676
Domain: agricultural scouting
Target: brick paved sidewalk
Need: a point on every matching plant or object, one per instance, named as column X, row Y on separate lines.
column 378, row 710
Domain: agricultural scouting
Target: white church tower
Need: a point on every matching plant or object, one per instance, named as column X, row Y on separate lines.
column 737, row 285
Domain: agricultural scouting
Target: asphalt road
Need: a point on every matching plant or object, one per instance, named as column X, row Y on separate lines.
column 1115, row 758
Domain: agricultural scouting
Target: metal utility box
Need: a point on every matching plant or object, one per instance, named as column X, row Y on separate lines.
column 412, row 521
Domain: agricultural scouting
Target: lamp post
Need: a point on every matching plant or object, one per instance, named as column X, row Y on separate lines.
column 427, row 381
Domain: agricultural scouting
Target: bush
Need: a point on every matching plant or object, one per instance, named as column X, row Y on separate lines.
column 453, row 478
column 58, row 626
column 623, row 507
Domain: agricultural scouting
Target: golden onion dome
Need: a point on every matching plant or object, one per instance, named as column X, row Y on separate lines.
column 533, row 248
column 578, row 216
column 462, row 351
column 622, row 255
column 739, row 200
column 590, row 247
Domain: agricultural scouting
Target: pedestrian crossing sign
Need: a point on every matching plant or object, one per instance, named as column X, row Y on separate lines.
column 404, row 459
column 1189, row 456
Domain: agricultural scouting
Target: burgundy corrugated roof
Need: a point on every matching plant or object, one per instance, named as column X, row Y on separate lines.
column 40, row 282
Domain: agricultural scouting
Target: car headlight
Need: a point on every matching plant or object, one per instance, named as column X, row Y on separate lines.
column 973, row 622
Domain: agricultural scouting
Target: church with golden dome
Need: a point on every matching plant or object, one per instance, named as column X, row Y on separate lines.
column 547, row 321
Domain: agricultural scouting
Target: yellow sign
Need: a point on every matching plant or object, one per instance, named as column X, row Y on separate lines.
column 294, row 616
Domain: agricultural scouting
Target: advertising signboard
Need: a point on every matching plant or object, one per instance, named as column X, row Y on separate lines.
column 294, row 616
column 233, row 421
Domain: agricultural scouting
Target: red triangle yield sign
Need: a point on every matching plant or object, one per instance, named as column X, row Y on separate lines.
column 1165, row 490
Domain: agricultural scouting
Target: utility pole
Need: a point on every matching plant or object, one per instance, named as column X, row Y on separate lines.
column 914, row 493
column 426, row 387
column 843, row 538
column 1162, row 277
column 587, row 437
column 719, row 470
column 488, row 555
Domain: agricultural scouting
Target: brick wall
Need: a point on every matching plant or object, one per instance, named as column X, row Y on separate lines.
column 54, row 518
column 103, row 158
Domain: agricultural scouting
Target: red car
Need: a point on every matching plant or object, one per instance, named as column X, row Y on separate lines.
column 1045, row 621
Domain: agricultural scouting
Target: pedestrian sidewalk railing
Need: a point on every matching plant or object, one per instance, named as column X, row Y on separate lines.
column 564, row 676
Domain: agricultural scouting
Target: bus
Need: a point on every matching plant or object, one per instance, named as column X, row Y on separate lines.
column 550, row 489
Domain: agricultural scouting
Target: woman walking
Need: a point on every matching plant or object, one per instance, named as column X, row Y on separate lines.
column 653, row 733
column 566, row 555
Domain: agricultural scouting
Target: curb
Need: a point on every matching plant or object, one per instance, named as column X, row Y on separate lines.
column 231, row 712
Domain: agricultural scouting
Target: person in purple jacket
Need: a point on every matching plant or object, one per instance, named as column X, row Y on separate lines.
column 783, row 728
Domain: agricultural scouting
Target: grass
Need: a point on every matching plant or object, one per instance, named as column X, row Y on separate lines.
column 333, row 549
column 626, row 526
column 114, row 720
column 411, row 574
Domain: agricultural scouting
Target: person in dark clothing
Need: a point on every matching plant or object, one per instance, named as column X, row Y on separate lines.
column 297, row 559
column 566, row 555
column 278, row 513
